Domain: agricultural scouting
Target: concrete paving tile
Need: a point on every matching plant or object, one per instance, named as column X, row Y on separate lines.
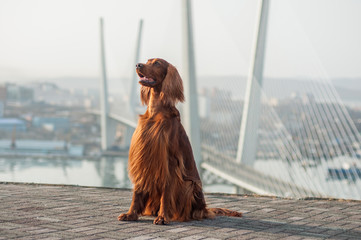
column 68, row 212
column 193, row 237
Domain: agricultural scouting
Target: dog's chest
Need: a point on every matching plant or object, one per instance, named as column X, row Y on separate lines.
column 148, row 153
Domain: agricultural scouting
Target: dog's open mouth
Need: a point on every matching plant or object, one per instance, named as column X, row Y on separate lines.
column 144, row 80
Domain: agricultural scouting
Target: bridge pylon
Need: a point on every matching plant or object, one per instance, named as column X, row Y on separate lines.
column 108, row 127
column 134, row 96
column 191, row 113
column 247, row 146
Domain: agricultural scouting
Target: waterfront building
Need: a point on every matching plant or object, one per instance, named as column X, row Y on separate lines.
column 9, row 124
column 39, row 147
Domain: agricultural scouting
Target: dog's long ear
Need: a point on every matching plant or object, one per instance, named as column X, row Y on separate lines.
column 172, row 87
column 145, row 94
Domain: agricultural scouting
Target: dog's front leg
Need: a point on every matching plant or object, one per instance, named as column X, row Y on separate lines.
column 163, row 217
column 136, row 208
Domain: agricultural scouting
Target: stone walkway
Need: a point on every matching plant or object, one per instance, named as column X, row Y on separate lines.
column 29, row 211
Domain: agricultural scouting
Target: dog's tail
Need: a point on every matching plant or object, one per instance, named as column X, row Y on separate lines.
column 225, row 212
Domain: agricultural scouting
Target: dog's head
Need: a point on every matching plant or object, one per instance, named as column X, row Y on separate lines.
column 163, row 77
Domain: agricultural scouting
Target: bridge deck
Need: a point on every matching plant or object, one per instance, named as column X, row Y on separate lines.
column 248, row 178
column 238, row 174
column 68, row 212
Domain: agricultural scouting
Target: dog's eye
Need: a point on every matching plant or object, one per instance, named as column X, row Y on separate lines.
column 156, row 63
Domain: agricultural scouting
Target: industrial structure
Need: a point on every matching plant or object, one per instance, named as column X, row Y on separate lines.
column 317, row 153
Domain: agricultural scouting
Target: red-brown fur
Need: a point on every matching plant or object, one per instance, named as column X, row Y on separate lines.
column 161, row 164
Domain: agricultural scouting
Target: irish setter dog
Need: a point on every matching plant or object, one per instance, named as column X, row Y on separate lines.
column 161, row 164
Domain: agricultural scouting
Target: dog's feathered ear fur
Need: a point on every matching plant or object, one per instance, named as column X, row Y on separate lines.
column 172, row 87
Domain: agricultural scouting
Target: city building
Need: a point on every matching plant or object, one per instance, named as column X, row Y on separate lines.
column 2, row 109
column 36, row 147
column 2, row 100
column 9, row 124
column 2, row 93
column 52, row 123
column 18, row 95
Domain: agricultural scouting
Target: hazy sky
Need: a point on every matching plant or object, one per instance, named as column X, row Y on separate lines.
column 57, row 38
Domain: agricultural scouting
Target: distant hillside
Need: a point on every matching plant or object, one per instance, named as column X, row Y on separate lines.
column 348, row 89
column 348, row 83
column 114, row 85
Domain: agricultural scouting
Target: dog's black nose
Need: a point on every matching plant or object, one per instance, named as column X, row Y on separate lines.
column 139, row 65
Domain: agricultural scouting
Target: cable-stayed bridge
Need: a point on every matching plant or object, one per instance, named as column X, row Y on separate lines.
column 303, row 145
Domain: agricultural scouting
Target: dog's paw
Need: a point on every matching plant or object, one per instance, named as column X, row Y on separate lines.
column 161, row 220
column 128, row 217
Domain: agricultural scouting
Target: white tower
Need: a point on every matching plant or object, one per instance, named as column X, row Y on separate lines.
column 134, row 90
column 104, row 108
column 191, row 117
column 247, row 145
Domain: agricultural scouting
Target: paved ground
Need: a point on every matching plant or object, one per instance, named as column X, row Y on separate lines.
column 68, row 212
